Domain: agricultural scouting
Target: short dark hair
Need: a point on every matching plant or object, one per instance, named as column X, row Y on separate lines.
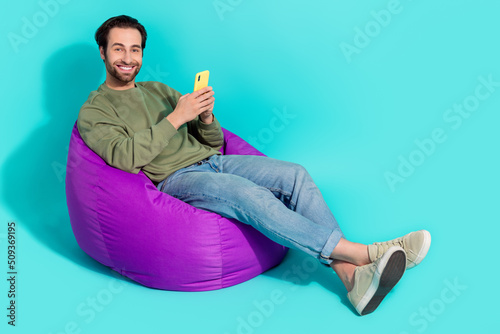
column 122, row 21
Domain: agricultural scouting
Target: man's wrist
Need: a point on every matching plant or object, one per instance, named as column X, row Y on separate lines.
column 174, row 121
column 207, row 120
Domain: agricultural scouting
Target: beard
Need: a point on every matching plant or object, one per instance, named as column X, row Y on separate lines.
column 123, row 77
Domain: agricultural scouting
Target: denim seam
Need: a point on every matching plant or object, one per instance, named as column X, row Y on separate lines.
column 285, row 193
column 175, row 174
column 168, row 180
column 326, row 257
column 235, row 206
column 214, row 166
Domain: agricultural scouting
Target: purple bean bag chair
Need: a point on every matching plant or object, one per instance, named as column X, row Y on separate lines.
column 121, row 220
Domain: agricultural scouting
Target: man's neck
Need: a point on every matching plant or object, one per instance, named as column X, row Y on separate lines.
column 118, row 85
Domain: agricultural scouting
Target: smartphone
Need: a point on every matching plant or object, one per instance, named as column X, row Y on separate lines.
column 201, row 80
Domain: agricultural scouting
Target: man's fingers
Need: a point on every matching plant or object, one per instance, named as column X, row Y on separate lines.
column 206, row 102
column 202, row 91
column 205, row 108
column 197, row 102
column 206, row 97
column 205, row 105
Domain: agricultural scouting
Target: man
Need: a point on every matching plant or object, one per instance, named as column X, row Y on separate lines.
column 175, row 140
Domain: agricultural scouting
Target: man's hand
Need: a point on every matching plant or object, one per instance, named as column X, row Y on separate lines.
column 207, row 116
column 191, row 105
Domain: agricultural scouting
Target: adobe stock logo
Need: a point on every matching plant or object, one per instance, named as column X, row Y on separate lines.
column 223, row 6
column 89, row 309
column 364, row 35
column 427, row 314
column 31, row 25
column 277, row 124
column 453, row 116
column 265, row 309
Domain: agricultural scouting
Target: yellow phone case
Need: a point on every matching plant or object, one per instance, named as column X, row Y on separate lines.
column 201, row 80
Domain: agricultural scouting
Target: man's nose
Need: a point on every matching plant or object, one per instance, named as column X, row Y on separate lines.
column 127, row 57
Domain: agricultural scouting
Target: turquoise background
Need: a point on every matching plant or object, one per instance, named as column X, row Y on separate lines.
column 350, row 118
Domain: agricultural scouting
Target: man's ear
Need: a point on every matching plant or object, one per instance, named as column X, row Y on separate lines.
column 103, row 54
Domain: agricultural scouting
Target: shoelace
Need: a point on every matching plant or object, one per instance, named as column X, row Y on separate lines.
column 388, row 244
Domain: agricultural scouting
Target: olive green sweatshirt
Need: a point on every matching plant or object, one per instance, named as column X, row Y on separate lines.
column 128, row 129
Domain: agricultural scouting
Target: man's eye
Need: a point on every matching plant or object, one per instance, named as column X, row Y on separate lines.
column 118, row 49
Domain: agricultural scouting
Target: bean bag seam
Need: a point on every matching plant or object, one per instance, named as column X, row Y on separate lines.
column 77, row 141
column 99, row 206
column 221, row 256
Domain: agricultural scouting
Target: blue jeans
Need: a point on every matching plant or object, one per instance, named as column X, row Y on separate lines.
column 277, row 198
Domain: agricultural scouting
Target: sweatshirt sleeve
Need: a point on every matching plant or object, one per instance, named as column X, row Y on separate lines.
column 207, row 134
column 106, row 135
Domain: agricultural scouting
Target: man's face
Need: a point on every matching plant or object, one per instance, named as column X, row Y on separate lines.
column 123, row 57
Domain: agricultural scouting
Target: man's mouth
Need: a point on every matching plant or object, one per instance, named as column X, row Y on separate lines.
column 125, row 68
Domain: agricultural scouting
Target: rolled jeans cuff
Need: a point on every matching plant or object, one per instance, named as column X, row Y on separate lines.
column 330, row 244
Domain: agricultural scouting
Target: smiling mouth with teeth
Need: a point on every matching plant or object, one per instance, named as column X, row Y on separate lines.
column 125, row 68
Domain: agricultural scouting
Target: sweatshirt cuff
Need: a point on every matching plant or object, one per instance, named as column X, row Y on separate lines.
column 204, row 126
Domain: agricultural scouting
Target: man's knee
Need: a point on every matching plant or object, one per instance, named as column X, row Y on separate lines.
column 298, row 170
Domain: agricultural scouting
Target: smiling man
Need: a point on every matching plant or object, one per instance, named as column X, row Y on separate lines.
column 122, row 65
column 175, row 140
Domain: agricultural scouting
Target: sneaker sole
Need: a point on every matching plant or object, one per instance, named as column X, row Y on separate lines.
column 423, row 251
column 390, row 270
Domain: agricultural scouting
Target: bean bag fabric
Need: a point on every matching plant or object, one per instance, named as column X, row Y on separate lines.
column 121, row 220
